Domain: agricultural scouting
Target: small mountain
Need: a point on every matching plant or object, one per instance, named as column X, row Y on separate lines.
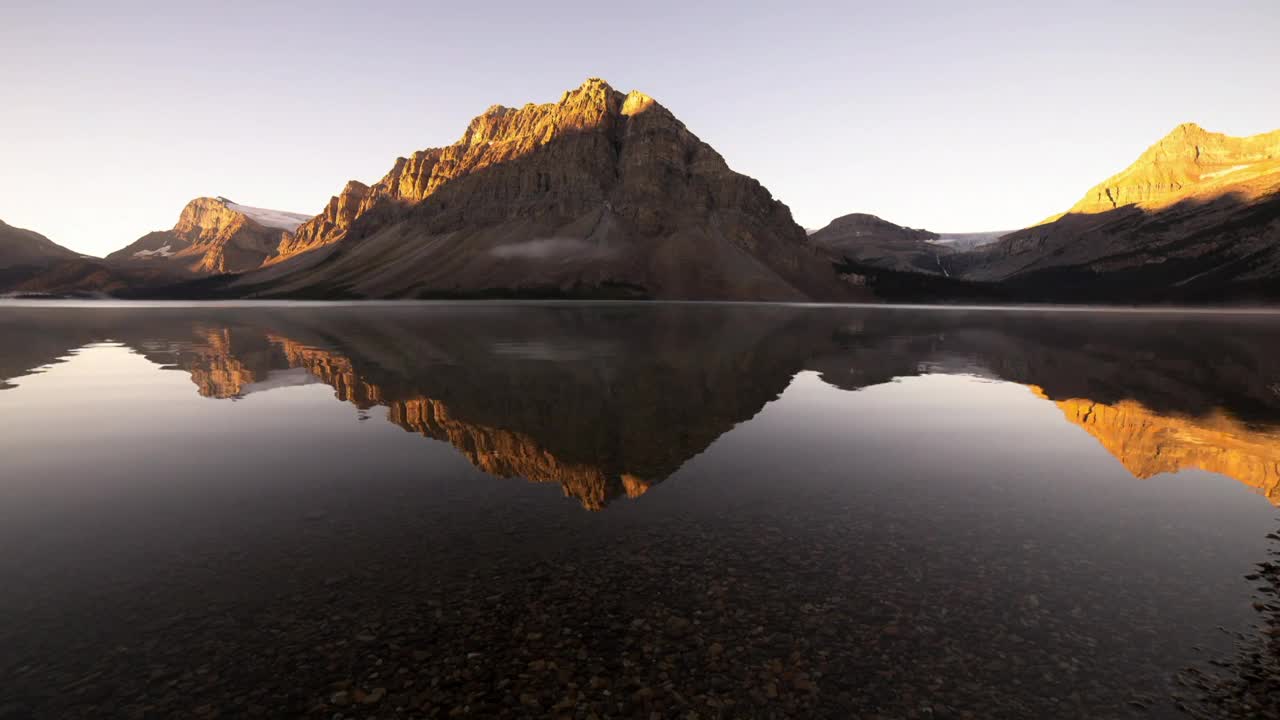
column 1195, row 218
column 21, row 248
column 872, row 241
column 214, row 235
column 26, row 256
column 601, row 193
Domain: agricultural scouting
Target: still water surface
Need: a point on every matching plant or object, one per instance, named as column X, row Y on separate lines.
column 490, row 510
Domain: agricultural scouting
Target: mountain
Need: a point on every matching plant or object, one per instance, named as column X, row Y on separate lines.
column 21, row 248
column 1196, row 217
column 598, row 194
column 214, row 235
column 84, row 277
column 31, row 263
column 1188, row 162
column 869, row 240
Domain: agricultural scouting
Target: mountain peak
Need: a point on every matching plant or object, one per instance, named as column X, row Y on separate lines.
column 595, row 83
column 636, row 103
column 591, row 100
column 1183, row 139
column 1188, row 128
column 1189, row 161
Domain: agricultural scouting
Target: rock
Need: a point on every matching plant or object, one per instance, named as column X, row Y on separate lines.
column 677, row 626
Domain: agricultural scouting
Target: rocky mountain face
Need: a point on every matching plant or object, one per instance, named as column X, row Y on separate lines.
column 872, row 241
column 214, row 235
column 598, row 194
column 332, row 223
column 1195, row 218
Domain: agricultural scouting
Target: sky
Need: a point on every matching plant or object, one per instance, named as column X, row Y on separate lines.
column 956, row 117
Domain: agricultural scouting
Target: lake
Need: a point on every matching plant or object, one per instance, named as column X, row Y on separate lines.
column 636, row 510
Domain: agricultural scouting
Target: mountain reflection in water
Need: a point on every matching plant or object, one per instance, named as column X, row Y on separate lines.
column 610, row 400
column 232, row 510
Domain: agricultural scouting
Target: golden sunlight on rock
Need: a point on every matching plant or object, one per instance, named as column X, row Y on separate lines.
column 1148, row 443
column 636, row 103
column 497, row 451
column 215, row 370
column 505, row 453
column 634, row 486
column 1190, row 162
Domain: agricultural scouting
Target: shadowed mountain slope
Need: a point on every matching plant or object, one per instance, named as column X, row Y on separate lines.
column 27, row 248
column 872, row 241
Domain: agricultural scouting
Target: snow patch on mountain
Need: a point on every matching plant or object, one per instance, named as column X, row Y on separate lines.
column 1220, row 173
column 270, row 218
column 166, row 251
column 969, row 241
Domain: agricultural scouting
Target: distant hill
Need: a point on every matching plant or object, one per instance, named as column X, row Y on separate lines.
column 876, row 242
column 25, row 254
column 21, row 248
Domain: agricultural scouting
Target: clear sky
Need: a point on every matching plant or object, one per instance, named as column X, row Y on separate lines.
column 946, row 115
